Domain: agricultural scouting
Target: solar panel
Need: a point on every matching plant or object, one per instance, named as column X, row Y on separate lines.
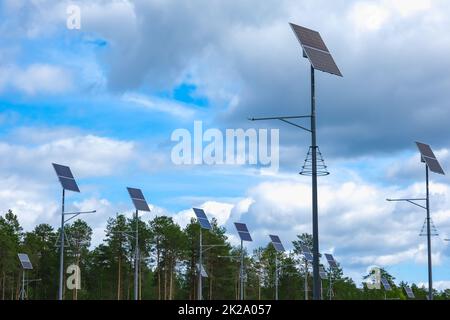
column 138, row 199
column 425, row 150
column 434, row 166
column 202, row 271
column 275, row 239
column 25, row 261
column 316, row 50
column 136, row 193
column 307, row 254
column 386, row 284
column 322, row 273
column 243, row 231
column 202, row 219
column 409, row 293
column 65, row 177
column 241, row 227
column 429, row 158
column 322, row 61
column 305, row 249
column 276, row 242
column 309, row 37
column 330, row 259
column 63, row 171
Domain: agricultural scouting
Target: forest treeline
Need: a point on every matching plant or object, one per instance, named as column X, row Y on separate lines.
column 168, row 264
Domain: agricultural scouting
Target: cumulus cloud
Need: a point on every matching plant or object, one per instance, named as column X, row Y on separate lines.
column 36, row 79
column 356, row 223
column 244, row 58
column 88, row 155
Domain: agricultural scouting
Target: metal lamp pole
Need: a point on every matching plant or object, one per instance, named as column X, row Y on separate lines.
column 242, row 271
column 136, row 259
column 200, row 285
column 428, row 219
column 61, row 256
column 315, row 215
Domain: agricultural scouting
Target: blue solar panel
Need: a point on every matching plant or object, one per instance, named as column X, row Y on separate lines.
column 276, row 242
column 409, row 293
column 204, row 223
column 241, row 227
column 140, row 205
column 243, row 231
column 322, row 273
column 136, row 193
column 65, row 177
column 202, row 271
column 307, row 253
column 429, row 158
column 245, row 236
column 138, row 199
column 278, row 246
column 202, row 218
column 386, row 284
column 330, row 259
column 200, row 213
column 69, row 184
column 25, row 261
column 62, row 171
column 275, row 239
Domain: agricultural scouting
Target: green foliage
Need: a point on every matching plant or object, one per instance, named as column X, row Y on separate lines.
column 168, row 264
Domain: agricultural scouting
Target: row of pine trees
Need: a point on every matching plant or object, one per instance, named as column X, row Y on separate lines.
column 168, row 264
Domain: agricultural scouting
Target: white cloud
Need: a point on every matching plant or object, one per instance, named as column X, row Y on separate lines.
column 368, row 16
column 356, row 223
column 87, row 154
column 36, row 79
column 374, row 15
column 178, row 110
column 29, row 186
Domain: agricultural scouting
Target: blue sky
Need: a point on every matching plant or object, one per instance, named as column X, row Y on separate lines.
column 105, row 100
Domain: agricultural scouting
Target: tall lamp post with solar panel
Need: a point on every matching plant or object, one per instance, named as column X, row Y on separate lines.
column 315, row 50
column 433, row 165
column 276, row 242
column 244, row 235
column 68, row 182
column 140, row 204
column 204, row 224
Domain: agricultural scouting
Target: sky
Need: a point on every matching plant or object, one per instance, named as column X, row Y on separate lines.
column 105, row 99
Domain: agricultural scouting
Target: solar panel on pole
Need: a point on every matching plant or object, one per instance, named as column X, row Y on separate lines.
column 409, row 293
column 323, row 273
column 386, row 284
column 307, row 253
column 202, row 270
column 330, row 259
column 138, row 199
column 429, row 158
column 276, row 242
column 65, row 177
column 202, row 219
column 315, row 49
column 25, row 261
column 243, row 231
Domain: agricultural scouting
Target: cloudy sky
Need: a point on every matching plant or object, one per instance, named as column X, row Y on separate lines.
column 105, row 100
